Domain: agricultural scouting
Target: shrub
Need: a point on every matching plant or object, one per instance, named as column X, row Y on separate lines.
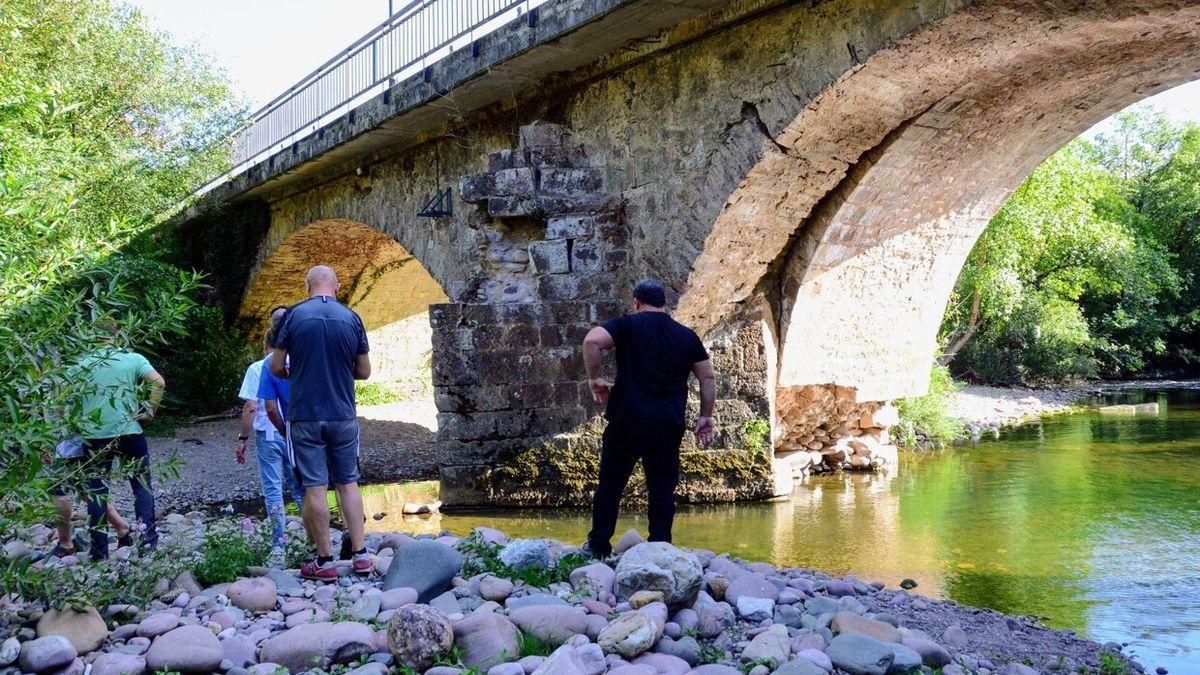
column 927, row 416
column 230, row 547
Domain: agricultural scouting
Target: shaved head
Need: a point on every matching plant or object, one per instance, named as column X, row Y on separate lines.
column 321, row 280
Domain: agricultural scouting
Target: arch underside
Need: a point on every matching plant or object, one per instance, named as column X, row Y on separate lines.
column 380, row 280
column 860, row 225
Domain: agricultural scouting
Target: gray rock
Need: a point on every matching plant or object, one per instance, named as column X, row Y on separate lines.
column 787, row 615
column 597, row 575
column 659, row 566
column 9, row 651
column 506, row 669
column 750, row 585
column 496, row 589
column 397, row 598
column 716, row 669
column 550, row 624
column 1017, row 669
column 534, row 599
column 820, row 658
column 156, row 624
column 955, row 637
column 800, row 666
column 905, row 660
column 686, row 648
column 629, row 635
column 284, row 581
column 425, row 566
column 486, row 639
column 113, row 663
column 755, row 609
column 933, row 654
column 821, row 605
column 770, row 646
column 860, row 655
column 319, row 645
column 417, row 635
column 663, row 663
column 446, row 603
column 628, row 540
column 712, row 617
column 187, row 649
column 239, row 650
column 52, row 652
column 526, row 554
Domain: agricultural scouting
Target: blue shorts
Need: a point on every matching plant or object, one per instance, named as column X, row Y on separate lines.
column 324, row 452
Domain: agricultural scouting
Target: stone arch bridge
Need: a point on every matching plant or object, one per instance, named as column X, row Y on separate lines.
column 807, row 178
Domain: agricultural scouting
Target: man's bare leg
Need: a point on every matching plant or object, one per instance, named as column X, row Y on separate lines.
column 316, row 519
column 65, row 508
column 351, row 504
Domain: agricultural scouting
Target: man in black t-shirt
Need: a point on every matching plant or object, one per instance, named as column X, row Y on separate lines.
column 654, row 355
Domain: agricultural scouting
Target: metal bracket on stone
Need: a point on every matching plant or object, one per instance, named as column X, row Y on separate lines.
column 440, row 205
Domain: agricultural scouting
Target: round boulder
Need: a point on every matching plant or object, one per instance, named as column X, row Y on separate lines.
column 85, row 630
column 52, row 652
column 187, row 649
column 659, row 566
column 629, row 635
column 318, row 645
column 417, row 635
column 256, row 594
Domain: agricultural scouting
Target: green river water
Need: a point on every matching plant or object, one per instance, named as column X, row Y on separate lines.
column 1091, row 522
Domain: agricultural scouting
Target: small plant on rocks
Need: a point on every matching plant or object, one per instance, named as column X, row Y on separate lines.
column 757, row 434
column 1111, row 664
column 230, row 546
column 481, row 556
column 531, row 645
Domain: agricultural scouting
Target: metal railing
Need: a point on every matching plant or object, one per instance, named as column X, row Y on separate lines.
column 417, row 35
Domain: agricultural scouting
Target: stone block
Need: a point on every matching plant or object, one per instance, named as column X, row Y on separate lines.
column 550, row 336
column 478, row 314
column 570, row 227
column 558, row 287
column 520, row 312
column 615, row 259
column 566, row 155
column 475, row 188
column 522, row 335
column 586, row 258
column 500, row 160
column 606, row 309
column 513, row 182
column 541, row 135
column 550, row 257
column 570, row 181
column 445, row 314
column 569, row 312
column 512, row 207
column 533, row 395
column 466, row 426
column 452, row 370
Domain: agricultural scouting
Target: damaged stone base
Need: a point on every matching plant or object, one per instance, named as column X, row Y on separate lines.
column 570, row 467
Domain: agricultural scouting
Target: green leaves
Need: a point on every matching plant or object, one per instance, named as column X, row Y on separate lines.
column 1090, row 268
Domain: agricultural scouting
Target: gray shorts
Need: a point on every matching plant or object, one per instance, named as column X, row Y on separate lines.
column 324, row 452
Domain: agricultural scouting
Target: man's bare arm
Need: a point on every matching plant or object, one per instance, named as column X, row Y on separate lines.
column 275, row 416
column 594, row 343
column 278, row 363
column 705, row 428
column 362, row 366
column 249, row 408
column 158, row 386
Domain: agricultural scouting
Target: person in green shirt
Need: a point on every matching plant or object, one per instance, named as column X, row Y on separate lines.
column 120, row 391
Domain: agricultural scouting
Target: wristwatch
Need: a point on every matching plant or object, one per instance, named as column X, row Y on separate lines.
column 243, row 438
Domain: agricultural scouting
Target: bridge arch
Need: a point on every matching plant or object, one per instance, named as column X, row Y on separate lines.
column 381, row 280
column 858, row 218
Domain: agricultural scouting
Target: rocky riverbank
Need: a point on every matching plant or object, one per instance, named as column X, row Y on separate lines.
column 983, row 410
column 447, row 605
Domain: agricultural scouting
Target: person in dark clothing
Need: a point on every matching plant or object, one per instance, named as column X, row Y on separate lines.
column 645, row 408
column 328, row 350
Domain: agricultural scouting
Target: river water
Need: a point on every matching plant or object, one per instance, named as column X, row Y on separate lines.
column 1091, row 522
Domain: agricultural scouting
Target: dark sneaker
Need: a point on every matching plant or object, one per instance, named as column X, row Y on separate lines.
column 363, row 564
column 318, row 572
column 126, row 540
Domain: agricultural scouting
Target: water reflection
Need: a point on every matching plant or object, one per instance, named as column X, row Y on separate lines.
column 1088, row 521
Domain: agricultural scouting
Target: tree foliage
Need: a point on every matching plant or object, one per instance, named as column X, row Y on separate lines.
column 104, row 127
column 1090, row 269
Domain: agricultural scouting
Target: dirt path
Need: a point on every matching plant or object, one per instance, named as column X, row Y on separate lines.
column 397, row 444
